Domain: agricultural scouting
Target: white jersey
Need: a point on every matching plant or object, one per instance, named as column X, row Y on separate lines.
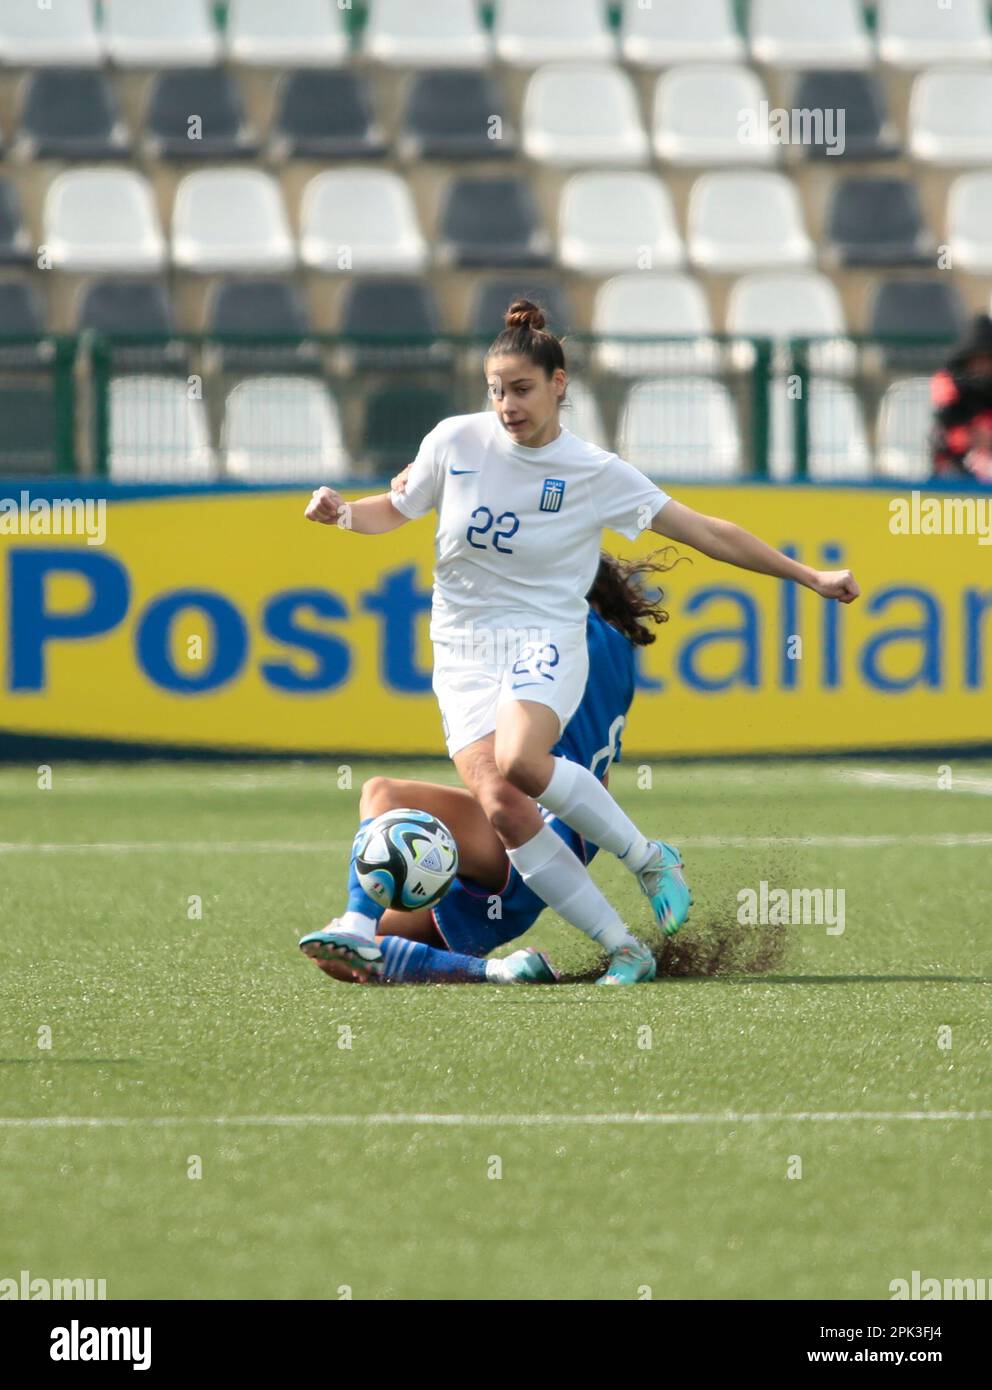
column 519, row 530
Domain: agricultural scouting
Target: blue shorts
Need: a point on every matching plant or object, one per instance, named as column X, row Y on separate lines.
column 467, row 916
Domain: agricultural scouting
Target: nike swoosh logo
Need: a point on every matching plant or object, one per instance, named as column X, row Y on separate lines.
column 463, row 470
column 521, row 685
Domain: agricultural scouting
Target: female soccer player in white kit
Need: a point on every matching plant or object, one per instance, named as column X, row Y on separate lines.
column 521, row 506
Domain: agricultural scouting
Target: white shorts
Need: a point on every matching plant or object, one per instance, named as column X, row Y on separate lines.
column 471, row 692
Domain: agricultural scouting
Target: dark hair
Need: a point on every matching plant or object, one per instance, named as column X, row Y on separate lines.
column 526, row 336
column 619, row 595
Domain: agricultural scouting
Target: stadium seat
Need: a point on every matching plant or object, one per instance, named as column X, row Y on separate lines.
column 877, row 222
column 325, row 115
column 837, row 448
column 15, row 244
column 868, row 133
column 307, row 33
column 361, row 221
column 969, row 222
column 207, row 95
column 582, row 416
column 385, row 315
column 148, row 34
column 583, row 113
column 57, row 34
column 790, row 304
column 785, row 34
column 21, row 310
column 27, row 425
column 950, row 116
column 231, row 219
column 746, row 221
column 102, row 219
column 921, row 33
column 70, row 113
column 449, row 115
column 253, row 309
column 922, row 309
column 553, row 31
column 902, row 438
column 615, row 221
column 491, row 221
column 157, row 431
column 125, row 307
column 647, row 305
column 697, row 116
column 684, row 427
column 283, row 429
column 492, row 298
column 431, row 33
column 658, row 36
column 396, row 420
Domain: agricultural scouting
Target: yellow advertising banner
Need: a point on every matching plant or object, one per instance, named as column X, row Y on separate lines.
column 221, row 619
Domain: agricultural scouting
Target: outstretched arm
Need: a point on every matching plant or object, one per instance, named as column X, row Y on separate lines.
column 722, row 540
column 369, row 516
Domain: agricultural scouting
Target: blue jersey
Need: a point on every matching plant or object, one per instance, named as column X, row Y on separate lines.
column 466, row 915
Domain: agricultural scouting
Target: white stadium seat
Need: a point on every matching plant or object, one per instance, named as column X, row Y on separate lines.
column 790, row 304
column 297, row 33
column 583, row 113
column 150, row 34
column 640, row 304
column 614, row 221
column 102, row 219
column 838, row 446
column 680, row 428
column 903, row 432
column 746, row 221
column 657, row 36
column 231, row 219
column 529, row 33
column 158, row 431
column 921, row 33
column 699, row 116
column 63, row 34
column 810, row 34
column 950, row 116
column 361, row 221
column 283, row 428
column 969, row 222
column 427, row 33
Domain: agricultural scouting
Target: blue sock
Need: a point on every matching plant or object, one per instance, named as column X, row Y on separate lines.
column 410, row 963
column 358, row 899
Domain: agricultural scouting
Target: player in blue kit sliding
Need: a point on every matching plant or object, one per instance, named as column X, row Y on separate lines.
column 488, row 903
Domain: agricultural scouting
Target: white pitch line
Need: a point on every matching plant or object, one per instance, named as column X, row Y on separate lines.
column 672, row 1117
column 915, row 781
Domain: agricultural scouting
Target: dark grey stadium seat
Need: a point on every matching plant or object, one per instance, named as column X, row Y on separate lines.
column 396, row 420
column 449, row 115
column 868, row 131
column 387, row 312
column 878, row 222
column 925, row 309
column 261, row 308
column 494, row 297
column 70, row 113
column 132, row 309
column 21, row 310
column 27, row 426
column 209, row 93
column 15, row 248
column 492, row 221
column 325, row 115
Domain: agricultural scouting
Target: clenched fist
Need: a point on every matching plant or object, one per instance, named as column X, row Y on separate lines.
column 838, row 584
column 325, row 505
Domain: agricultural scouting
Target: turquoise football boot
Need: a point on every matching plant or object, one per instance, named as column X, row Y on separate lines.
column 333, row 943
column 525, row 967
column 630, row 965
column 663, row 884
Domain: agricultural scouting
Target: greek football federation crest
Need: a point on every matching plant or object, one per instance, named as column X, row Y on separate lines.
column 551, row 497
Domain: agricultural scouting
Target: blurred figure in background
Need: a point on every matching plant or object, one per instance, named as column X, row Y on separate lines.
column 961, row 438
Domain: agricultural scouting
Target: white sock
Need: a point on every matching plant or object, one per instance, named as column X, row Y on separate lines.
column 582, row 802
column 359, row 924
column 556, row 875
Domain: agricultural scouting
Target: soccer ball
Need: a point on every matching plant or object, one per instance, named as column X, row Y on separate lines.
column 406, row 859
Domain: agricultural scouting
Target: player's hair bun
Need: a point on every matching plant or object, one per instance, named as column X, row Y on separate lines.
column 523, row 314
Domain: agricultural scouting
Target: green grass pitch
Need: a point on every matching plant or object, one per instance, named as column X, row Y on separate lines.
column 478, row 1142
